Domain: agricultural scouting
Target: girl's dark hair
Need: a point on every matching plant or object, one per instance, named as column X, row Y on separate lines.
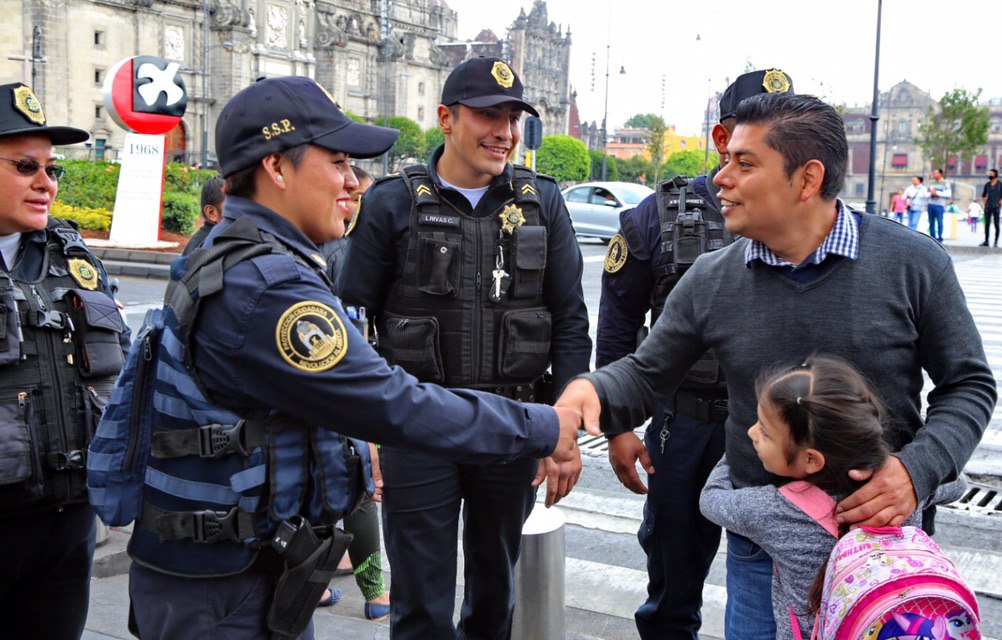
column 241, row 183
column 829, row 406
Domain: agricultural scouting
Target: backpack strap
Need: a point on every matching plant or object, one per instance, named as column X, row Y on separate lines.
column 820, row 507
column 814, row 502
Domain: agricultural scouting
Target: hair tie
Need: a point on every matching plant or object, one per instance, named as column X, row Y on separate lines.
column 799, row 403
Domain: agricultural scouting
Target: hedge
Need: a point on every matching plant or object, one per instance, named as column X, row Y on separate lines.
column 91, row 186
column 93, row 218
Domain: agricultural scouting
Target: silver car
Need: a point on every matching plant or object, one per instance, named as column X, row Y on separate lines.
column 595, row 206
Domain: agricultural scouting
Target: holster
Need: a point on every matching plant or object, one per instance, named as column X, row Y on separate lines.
column 309, row 564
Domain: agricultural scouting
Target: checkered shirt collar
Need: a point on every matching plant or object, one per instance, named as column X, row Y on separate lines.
column 843, row 240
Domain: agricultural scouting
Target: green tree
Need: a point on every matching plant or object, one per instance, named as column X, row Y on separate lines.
column 685, row 163
column 611, row 166
column 354, row 117
column 959, row 127
column 410, row 142
column 433, row 137
column 656, row 129
column 637, row 169
column 640, row 121
column 563, row 157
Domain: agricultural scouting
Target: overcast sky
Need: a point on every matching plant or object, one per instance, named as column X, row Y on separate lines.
column 826, row 47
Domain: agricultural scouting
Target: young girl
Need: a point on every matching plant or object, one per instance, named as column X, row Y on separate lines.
column 816, row 422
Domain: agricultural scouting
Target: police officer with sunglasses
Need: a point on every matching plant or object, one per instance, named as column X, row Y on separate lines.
column 61, row 347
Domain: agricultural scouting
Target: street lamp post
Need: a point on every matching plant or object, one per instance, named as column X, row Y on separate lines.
column 387, row 9
column 871, row 204
column 205, row 93
column 605, row 113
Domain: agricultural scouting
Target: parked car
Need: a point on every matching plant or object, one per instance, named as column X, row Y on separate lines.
column 595, row 206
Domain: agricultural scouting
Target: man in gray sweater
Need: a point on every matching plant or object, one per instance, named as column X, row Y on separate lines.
column 810, row 276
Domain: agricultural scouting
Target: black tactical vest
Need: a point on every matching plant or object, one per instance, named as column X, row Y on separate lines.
column 690, row 226
column 60, row 353
column 468, row 309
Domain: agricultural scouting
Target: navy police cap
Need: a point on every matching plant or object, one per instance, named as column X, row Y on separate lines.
column 484, row 82
column 276, row 114
column 752, row 84
column 21, row 114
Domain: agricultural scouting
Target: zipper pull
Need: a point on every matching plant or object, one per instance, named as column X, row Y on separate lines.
column 478, row 281
column 22, row 401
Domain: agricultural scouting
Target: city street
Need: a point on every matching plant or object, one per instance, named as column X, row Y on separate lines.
column 605, row 575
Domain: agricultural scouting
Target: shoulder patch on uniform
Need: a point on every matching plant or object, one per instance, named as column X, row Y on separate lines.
column 311, row 337
column 616, row 254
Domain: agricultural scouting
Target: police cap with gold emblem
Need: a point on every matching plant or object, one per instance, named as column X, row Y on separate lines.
column 276, row 114
column 752, row 84
column 21, row 114
column 484, row 82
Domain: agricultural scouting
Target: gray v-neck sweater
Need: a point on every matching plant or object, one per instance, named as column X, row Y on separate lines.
column 896, row 310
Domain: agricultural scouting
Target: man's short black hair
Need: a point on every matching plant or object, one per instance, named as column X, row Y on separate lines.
column 802, row 128
column 212, row 192
column 941, row 172
column 993, row 171
column 919, row 178
column 361, row 174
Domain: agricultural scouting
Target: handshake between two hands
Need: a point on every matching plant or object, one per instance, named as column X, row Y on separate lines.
column 578, row 406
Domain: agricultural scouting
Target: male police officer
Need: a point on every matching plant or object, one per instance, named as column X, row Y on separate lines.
column 61, row 341
column 472, row 270
column 229, row 504
column 685, row 438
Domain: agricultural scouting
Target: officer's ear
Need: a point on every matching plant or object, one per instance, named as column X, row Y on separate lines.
column 721, row 136
column 447, row 117
column 274, row 166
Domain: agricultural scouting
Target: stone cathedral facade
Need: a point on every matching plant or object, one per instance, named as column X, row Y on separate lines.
column 340, row 43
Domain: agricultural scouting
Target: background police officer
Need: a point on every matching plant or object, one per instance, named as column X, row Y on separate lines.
column 49, row 392
column 473, row 274
column 685, row 438
column 271, row 343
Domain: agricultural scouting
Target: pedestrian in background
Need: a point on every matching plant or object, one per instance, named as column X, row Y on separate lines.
column 212, row 212
column 939, row 194
column 51, row 290
column 899, row 205
column 470, row 268
column 917, row 197
column 974, row 214
column 991, row 199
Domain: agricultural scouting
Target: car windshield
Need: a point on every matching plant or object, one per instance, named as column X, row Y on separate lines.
column 633, row 194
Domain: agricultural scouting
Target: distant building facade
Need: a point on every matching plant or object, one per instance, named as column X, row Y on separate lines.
column 627, row 143
column 340, row 43
column 899, row 155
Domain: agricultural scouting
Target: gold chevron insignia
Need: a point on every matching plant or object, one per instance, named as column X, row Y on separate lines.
column 423, row 190
column 527, row 188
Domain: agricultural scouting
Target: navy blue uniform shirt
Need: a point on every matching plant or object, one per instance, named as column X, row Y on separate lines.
column 378, row 251
column 626, row 294
column 237, row 353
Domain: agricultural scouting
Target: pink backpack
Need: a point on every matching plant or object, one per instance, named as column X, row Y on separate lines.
column 886, row 583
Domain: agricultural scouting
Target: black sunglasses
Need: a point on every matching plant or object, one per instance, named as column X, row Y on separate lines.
column 27, row 167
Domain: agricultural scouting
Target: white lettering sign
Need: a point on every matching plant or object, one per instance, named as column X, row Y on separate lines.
column 139, row 200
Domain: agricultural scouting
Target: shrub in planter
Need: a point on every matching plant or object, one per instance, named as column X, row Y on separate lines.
column 180, row 213
column 93, row 218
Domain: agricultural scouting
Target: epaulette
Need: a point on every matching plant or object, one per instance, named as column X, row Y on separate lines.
column 388, row 177
column 419, row 183
column 523, row 184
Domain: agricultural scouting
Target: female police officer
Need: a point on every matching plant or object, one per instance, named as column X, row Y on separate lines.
column 268, row 338
column 54, row 365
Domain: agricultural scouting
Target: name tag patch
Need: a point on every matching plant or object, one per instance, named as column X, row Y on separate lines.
column 439, row 220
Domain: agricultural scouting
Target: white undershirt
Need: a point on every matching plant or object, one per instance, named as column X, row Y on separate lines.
column 472, row 195
column 8, row 247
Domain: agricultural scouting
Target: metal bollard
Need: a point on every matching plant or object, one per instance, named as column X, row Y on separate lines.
column 539, row 577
